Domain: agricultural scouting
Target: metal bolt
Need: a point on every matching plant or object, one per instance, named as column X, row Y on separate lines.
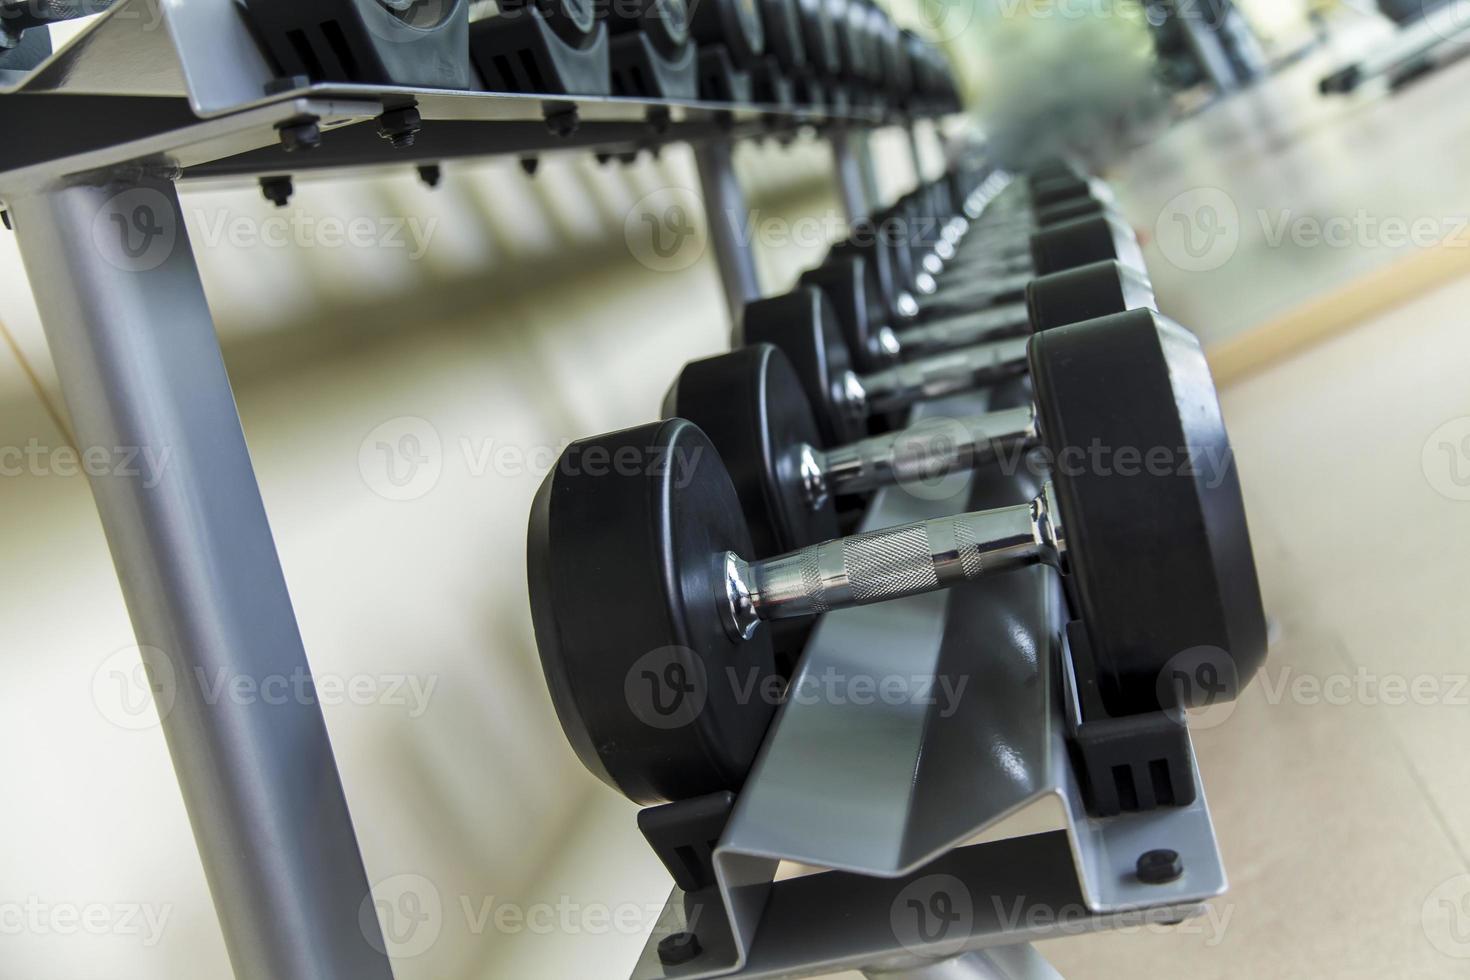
column 431, row 175
column 659, row 119
column 303, row 134
column 277, row 190
column 530, row 165
column 562, row 120
column 5, row 220
column 1160, row 867
column 679, row 948
column 401, row 126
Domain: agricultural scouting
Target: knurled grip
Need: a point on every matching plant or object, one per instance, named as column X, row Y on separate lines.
column 932, row 449
column 891, row 563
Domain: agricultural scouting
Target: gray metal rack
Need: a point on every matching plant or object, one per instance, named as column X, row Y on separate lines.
column 154, row 92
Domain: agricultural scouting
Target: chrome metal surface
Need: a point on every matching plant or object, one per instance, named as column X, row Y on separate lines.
column 903, row 385
column 936, row 336
column 930, row 449
column 135, row 349
column 811, row 469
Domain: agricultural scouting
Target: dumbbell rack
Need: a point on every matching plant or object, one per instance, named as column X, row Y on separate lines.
column 154, row 92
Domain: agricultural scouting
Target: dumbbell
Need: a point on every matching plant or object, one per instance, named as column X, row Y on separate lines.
column 648, row 603
column 736, row 25
column 1088, row 291
column 1068, row 245
column 803, row 325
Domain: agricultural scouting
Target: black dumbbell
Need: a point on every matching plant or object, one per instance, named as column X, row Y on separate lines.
column 736, row 25
column 752, row 406
column 648, row 605
column 804, row 326
column 1060, row 248
column 664, row 22
column 1092, row 290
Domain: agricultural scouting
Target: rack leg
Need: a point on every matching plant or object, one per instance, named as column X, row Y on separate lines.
column 727, row 216
column 849, row 150
column 140, row 367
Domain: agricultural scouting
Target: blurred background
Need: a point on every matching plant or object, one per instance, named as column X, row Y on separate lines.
column 1318, row 242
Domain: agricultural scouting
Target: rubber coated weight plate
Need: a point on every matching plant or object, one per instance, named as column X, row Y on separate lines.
column 1077, row 207
column 1083, row 241
column 751, row 405
column 1099, row 289
column 666, row 22
column 1050, row 190
column 820, row 35
column 783, row 32
column 844, row 282
column 650, row 689
column 736, row 24
column 801, row 323
column 1158, row 549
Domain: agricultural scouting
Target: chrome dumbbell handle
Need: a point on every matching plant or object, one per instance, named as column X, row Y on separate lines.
column 890, row 564
column 962, row 331
column 926, row 451
column 903, row 385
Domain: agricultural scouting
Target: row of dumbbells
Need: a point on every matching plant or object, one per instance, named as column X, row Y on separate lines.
column 671, row 561
column 829, row 54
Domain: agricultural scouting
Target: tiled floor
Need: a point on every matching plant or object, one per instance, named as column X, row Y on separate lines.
column 1278, row 194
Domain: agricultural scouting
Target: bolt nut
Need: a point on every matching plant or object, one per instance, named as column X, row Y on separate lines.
column 401, row 126
column 1160, row 867
column 681, row 947
column 302, row 135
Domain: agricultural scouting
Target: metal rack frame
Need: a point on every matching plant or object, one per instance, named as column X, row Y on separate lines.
column 98, row 138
